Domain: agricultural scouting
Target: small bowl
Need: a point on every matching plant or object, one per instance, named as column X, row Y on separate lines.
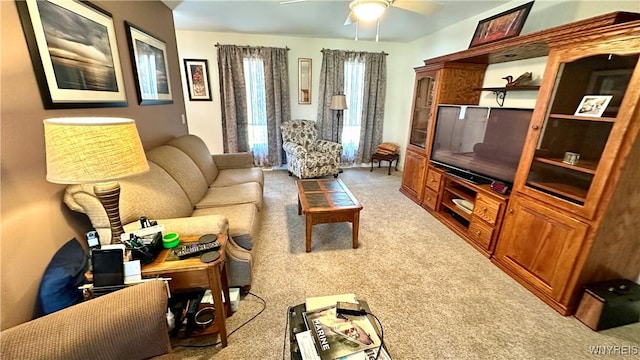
column 170, row 240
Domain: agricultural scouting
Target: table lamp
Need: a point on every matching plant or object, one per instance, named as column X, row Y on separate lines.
column 338, row 103
column 98, row 151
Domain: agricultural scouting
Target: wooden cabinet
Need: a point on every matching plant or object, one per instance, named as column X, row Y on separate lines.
column 539, row 246
column 474, row 212
column 567, row 223
column 432, row 188
column 413, row 175
column 439, row 83
column 571, row 223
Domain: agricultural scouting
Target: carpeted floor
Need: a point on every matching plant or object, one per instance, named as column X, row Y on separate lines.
column 436, row 296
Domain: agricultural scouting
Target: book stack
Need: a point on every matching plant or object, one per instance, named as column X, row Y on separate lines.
column 387, row 148
column 336, row 336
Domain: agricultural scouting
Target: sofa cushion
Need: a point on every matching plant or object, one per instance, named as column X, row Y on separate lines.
column 154, row 194
column 59, row 285
column 244, row 220
column 183, row 170
column 199, row 153
column 239, row 176
column 249, row 193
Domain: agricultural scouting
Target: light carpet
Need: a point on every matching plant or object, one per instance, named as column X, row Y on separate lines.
column 436, row 296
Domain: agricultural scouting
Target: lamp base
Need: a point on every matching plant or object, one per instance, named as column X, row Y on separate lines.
column 109, row 196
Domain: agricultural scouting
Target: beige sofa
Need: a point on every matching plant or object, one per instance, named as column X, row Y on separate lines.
column 190, row 192
column 127, row 324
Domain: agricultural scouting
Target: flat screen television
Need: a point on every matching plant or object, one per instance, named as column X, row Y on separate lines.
column 479, row 143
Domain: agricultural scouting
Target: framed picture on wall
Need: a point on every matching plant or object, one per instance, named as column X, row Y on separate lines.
column 150, row 69
column 197, row 73
column 74, row 54
column 502, row 26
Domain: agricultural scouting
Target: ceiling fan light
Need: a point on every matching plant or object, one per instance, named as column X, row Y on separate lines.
column 368, row 10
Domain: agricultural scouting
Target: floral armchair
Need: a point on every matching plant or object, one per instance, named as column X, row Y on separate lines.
column 308, row 157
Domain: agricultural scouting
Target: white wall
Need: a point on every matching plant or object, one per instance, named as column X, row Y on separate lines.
column 204, row 117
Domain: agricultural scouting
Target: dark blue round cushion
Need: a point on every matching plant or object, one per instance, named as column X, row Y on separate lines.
column 63, row 276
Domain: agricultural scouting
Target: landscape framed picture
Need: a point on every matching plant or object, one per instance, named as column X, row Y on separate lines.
column 593, row 105
column 74, row 54
column 197, row 73
column 150, row 69
column 502, row 26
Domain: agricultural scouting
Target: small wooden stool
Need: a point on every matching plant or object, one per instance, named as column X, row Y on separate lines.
column 385, row 157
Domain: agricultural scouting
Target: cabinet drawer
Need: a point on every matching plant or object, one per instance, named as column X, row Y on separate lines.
column 433, row 179
column 486, row 209
column 480, row 232
column 430, row 198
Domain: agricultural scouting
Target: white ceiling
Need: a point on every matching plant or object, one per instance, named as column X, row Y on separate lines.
column 318, row 18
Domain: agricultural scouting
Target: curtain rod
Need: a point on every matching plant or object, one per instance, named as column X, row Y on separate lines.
column 250, row 46
column 382, row 52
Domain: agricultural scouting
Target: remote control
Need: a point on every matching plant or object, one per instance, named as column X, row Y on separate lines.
column 186, row 251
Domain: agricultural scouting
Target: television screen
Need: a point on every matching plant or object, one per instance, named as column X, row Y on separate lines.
column 480, row 141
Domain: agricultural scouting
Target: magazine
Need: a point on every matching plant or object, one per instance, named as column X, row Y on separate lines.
column 341, row 335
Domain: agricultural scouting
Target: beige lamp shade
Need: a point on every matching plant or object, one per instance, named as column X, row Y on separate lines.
column 92, row 149
column 338, row 102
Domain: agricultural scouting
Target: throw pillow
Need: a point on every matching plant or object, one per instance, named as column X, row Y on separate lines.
column 65, row 272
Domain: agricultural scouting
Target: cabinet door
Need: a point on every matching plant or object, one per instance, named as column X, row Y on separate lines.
column 540, row 245
column 413, row 175
column 422, row 103
column 573, row 146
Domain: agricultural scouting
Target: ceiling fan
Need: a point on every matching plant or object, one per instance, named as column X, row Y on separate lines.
column 370, row 10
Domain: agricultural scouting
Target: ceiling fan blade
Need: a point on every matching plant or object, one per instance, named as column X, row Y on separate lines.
column 421, row 7
column 291, row 2
column 351, row 19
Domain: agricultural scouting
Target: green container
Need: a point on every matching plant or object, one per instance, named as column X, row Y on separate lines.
column 170, row 240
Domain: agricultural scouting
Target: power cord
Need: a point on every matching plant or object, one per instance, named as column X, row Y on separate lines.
column 381, row 334
column 286, row 331
column 264, row 306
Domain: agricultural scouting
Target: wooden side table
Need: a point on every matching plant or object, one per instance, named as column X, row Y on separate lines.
column 192, row 273
column 384, row 157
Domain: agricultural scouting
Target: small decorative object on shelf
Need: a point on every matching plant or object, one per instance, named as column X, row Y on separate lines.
column 593, row 105
column 524, row 79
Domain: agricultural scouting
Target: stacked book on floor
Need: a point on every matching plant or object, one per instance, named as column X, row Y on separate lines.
column 336, row 336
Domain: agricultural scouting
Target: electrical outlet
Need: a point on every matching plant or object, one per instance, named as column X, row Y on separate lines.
column 184, row 119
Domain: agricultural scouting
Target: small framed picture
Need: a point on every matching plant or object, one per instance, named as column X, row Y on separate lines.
column 197, row 73
column 149, row 58
column 593, row 105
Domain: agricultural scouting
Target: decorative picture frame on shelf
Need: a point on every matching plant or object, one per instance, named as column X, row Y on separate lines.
column 150, row 69
column 610, row 82
column 593, row 105
column 74, row 53
column 505, row 25
column 197, row 76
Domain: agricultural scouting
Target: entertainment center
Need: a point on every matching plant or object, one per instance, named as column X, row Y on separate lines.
column 572, row 214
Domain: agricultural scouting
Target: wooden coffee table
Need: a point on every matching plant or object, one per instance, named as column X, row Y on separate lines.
column 327, row 201
column 192, row 273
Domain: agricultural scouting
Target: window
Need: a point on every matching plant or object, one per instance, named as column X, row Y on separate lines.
column 354, row 93
column 256, row 108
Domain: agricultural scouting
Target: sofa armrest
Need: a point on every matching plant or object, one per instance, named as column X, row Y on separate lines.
column 233, row 161
column 295, row 149
column 127, row 324
column 189, row 226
